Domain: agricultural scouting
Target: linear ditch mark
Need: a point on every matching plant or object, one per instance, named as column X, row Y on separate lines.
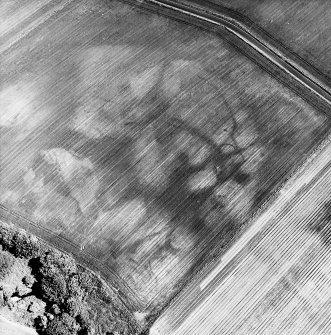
column 212, row 19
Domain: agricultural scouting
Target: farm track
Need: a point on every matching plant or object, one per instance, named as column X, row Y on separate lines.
column 198, row 307
column 254, row 42
column 281, row 65
column 65, row 245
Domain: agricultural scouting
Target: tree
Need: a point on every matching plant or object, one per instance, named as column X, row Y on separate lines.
column 75, row 288
column 6, row 238
column 55, row 272
column 54, row 287
column 28, row 280
column 24, row 246
column 86, row 281
column 58, row 261
column 6, row 262
column 84, row 320
column 62, row 324
column 73, row 306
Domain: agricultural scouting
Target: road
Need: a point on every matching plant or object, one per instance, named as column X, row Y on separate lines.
column 12, row 328
column 211, row 17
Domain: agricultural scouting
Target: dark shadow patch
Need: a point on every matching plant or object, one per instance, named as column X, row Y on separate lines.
column 187, row 207
column 322, row 226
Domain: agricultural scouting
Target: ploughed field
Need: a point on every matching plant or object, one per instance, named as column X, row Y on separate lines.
column 303, row 26
column 279, row 280
column 145, row 142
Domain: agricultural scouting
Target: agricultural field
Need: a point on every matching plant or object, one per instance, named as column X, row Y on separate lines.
column 147, row 143
column 301, row 25
column 279, row 281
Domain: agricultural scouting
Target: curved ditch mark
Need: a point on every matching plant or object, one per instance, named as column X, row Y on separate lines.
column 310, row 83
column 82, row 257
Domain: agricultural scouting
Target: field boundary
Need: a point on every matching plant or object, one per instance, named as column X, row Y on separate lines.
column 212, row 17
column 203, row 285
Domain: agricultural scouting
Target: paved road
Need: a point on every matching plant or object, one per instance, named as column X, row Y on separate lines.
column 210, row 15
